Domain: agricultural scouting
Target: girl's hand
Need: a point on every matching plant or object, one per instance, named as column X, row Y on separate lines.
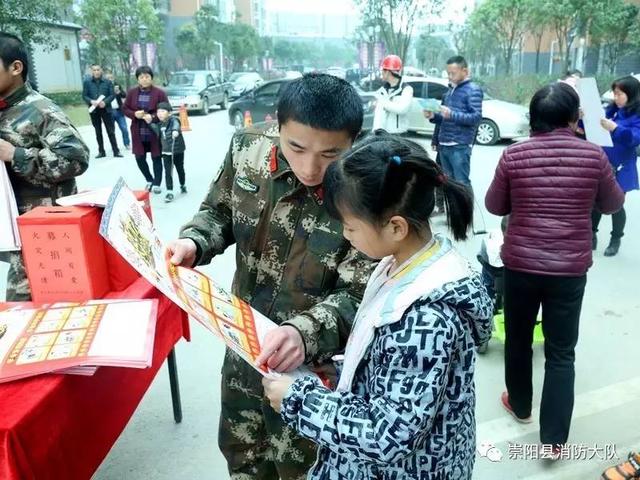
column 608, row 125
column 139, row 114
column 148, row 118
column 275, row 389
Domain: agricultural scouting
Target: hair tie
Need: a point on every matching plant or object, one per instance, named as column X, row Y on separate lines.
column 442, row 179
column 396, row 159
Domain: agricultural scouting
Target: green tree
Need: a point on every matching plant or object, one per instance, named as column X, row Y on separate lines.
column 477, row 43
column 115, row 25
column 187, row 46
column 507, row 20
column 535, row 19
column 568, row 19
column 283, row 51
column 241, row 42
column 432, row 51
column 613, row 26
column 209, row 30
column 26, row 18
column 396, row 20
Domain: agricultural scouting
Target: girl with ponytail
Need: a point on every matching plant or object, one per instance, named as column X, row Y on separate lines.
column 404, row 405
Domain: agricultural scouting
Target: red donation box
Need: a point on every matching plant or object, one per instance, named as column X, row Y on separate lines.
column 64, row 253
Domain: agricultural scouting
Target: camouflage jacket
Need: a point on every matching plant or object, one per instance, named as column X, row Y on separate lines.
column 49, row 151
column 293, row 264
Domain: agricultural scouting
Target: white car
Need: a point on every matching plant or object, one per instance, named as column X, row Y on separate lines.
column 243, row 82
column 337, row 72
column 500, row 120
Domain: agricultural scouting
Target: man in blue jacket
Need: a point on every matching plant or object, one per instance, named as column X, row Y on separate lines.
column 458, row 119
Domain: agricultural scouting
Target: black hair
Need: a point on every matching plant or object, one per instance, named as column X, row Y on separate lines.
column 553, row 106
column 321, row 101
column 631, row 88
column 385, row 175
column 572, row 73
column 144, row 69
column 459, row 60
column 13, row 49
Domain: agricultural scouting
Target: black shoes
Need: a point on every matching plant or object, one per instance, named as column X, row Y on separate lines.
column 612, row 249
column 183, row 189
column 117, row 154
column 101, row 155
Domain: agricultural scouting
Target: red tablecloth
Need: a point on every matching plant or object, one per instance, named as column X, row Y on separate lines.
column 62, row 426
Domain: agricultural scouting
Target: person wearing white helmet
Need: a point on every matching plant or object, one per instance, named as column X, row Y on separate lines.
column 393, row 98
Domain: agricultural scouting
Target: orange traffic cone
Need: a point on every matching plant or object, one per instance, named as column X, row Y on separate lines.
column 184, row 119
column 268, row 118
column 247, row 119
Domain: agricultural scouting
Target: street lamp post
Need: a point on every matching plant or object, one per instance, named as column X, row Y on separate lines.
column 142, row 30
column 221, row 61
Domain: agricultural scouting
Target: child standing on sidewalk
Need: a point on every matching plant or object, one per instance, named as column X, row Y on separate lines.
column 404, row 406
column 173, row 147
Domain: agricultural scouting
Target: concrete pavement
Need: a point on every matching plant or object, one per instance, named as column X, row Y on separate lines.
column 607, row 376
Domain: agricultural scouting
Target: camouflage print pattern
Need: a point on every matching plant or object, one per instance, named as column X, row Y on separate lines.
column 295, row 267
column 49, row 155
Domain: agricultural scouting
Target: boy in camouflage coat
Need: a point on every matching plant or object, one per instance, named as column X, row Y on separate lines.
column 41, row 150
column 293, row 264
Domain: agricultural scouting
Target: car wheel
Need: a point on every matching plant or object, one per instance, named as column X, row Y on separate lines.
column 487, row 133
column 225, row 102
column 205, row 106
column 238, row 120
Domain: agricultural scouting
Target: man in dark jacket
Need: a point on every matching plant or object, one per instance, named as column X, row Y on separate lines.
column 458, row 119
column 98, row 94
column 119, row 94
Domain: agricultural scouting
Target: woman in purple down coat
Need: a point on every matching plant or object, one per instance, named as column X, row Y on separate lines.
column 548, row 185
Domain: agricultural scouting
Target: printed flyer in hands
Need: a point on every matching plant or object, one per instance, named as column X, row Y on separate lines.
column 128, row 229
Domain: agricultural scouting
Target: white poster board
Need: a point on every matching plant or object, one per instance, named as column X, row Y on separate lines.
column 593, row 112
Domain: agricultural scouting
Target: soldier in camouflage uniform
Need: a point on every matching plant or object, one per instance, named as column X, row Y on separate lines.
column 293, row 264
column 41, row 150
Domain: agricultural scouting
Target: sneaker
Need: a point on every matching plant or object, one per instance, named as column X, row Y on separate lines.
column 157, row 189
column 117, row 155
column 550, row 452
column 148, row 186
column 169, row 197
column 504, row 399
column 183, row 189
column 101, row 155
column 625, row 470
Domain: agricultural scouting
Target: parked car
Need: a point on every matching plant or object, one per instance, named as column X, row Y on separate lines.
column 500, row 120
column 243, row 82
column 292, row 74
column 262, row 102
column 337, row 72
column 198, row 90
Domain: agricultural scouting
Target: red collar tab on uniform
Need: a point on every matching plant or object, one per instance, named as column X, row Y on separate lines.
column 318, row 194
column 273, row 160
column 3, row 104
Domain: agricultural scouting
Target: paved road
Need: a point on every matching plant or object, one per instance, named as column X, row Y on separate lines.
column 607, row 377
